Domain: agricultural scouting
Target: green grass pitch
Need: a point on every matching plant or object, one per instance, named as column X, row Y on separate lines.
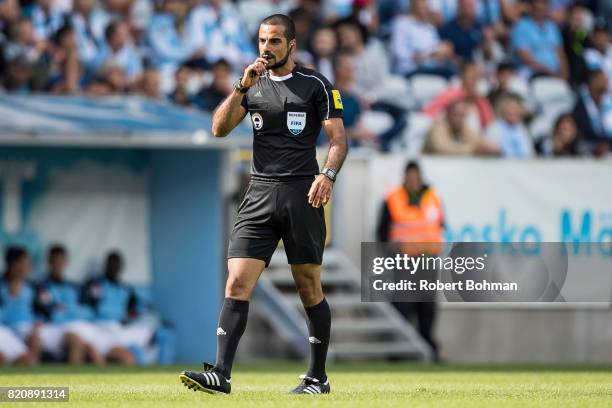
column 353, row 385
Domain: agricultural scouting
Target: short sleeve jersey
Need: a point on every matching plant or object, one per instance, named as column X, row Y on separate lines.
column 541, row 41
column 286, row 114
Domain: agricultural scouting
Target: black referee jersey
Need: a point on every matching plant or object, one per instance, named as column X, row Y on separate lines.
column 286, row 114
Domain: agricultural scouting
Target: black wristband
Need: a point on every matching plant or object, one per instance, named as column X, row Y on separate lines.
column 239, row 87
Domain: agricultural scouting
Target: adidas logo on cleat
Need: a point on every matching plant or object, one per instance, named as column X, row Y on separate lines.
column 311, row 386
column 314, row 340
column 209, row 381
column 221, row 332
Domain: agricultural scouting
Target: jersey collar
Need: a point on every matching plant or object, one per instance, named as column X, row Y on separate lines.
column 280, row 78
column 284, row 77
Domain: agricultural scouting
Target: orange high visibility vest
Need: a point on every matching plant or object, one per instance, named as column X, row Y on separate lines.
column 418, row 226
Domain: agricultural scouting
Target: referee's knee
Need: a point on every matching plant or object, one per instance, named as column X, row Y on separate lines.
column 310, row 296
column 237, row 288
column 308, row 283
column 310, row 291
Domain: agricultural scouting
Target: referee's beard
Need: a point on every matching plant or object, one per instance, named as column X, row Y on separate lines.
column 282, row 62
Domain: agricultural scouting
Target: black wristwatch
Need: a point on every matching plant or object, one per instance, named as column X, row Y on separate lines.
column 239, row 87
column 329, row 173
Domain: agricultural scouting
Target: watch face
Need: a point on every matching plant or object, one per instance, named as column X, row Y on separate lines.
column 330, row 173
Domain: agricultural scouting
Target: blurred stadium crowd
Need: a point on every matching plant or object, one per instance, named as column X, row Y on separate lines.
column 102, row 320
column 511, row 78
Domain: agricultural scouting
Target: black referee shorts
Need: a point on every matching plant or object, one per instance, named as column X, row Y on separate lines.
column 274, row 210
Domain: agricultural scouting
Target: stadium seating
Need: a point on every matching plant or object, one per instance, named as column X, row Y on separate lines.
column 418, row 125
column 425, row 87
column 552, row 94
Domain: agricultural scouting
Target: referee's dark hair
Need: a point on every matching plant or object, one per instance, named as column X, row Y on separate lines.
column 285, row 21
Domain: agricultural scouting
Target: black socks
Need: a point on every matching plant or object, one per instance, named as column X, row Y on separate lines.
column 319, row 326
column 232, row 323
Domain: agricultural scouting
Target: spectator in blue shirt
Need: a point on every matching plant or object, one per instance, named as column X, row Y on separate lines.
column 218, row 28
column 464, row 31
column 13, row 350
column 537, row 43
column 46, row 19
column 89, row 24
column 170, row 43
column 116, row 308
column 508, row 132
column 23, row 43
column 119, row 50
column 107, row 296
column 65, row 70
column 59, row 302
column 18, row 299
column 59, row 299
column 488, row 12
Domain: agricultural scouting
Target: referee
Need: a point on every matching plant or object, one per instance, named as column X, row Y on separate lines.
column 289, row 105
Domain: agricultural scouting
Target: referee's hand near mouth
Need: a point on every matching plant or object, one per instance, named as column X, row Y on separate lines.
column 253, row 72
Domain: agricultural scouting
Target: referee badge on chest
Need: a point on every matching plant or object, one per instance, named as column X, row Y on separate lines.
column 296, row 122
column 257, row 121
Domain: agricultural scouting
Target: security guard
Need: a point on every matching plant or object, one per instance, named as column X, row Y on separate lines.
column 289, row 105
column 412, row 216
